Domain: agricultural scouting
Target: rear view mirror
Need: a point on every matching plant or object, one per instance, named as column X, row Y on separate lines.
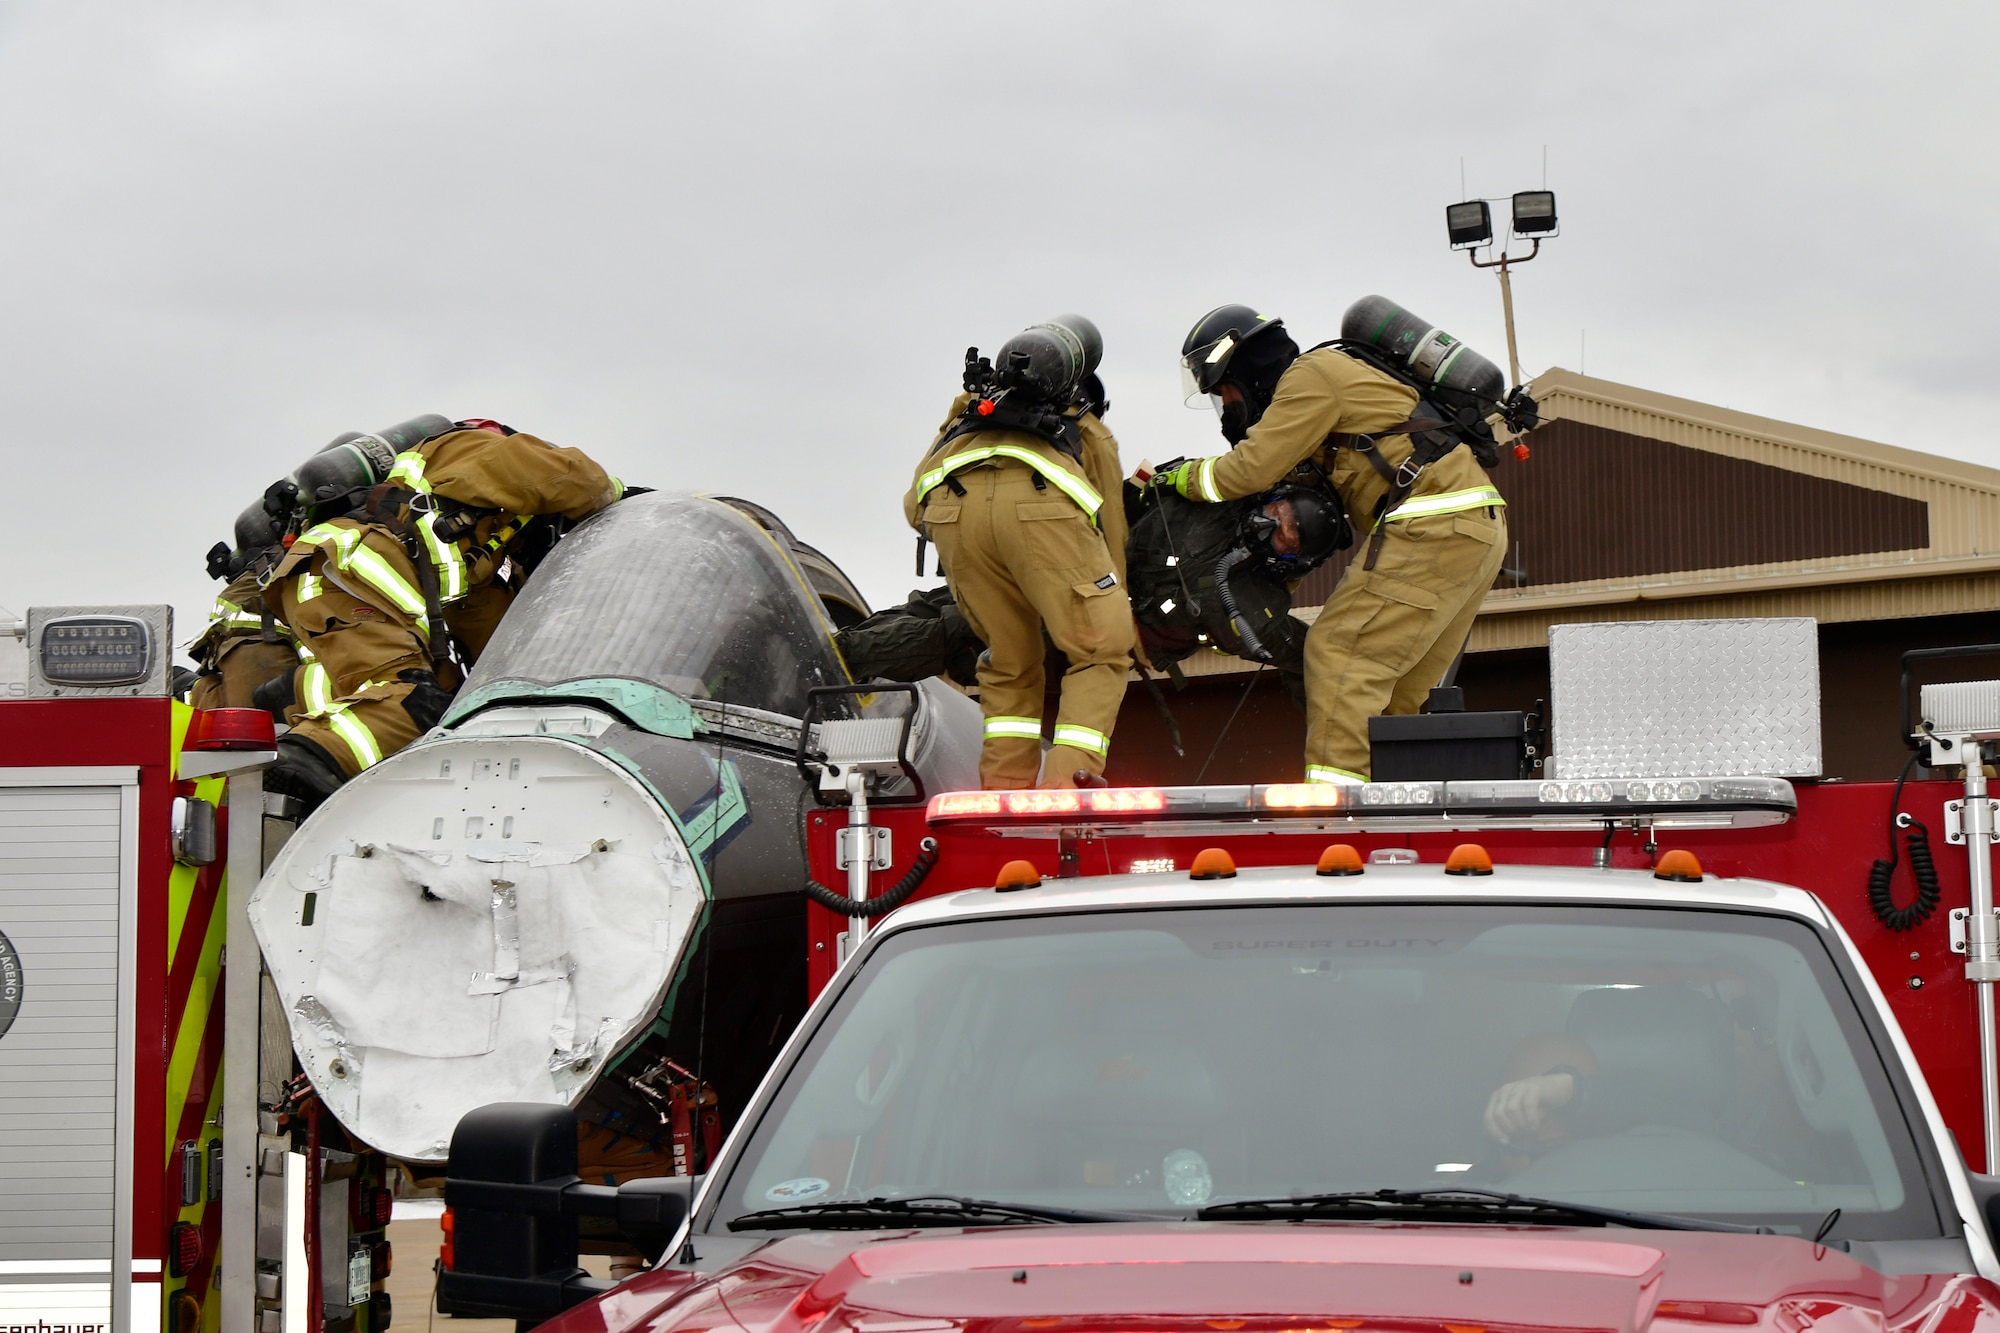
column 514, row 1196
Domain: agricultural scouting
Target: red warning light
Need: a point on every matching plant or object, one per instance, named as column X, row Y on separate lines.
column 183, row 1249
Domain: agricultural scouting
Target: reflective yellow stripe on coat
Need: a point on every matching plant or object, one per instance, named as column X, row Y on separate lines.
column 1075, row 487
column 445, row 557
column 345, row 551
column 1450, row 502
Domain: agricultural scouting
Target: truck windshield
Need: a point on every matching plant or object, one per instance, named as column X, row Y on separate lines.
column 1702, row 1063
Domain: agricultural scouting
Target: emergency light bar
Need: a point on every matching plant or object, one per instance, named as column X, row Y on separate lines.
column 1297, row 807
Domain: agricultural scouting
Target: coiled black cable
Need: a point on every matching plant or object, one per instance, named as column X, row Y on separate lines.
column 1881, row 894
column 927, row 856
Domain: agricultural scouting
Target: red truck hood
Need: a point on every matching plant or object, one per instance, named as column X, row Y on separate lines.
column 1288, row 1278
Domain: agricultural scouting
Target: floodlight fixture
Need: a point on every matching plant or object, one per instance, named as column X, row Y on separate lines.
column 1535, row 213
column 1470, row 224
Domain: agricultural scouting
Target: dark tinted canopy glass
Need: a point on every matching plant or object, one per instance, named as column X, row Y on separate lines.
column 678, row 591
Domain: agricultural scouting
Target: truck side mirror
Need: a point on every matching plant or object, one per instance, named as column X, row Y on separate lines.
column 513, row 1252
column 515, row 1198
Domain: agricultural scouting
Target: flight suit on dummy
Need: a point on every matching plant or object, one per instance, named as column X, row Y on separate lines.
column 234, row 654
column 1387, row 634
column 353, row 594
column 1021, row 558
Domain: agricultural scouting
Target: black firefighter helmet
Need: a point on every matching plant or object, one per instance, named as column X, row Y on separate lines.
column 1235, row 344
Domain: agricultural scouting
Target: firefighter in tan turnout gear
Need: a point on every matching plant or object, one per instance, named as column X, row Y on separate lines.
column 1021, row 492
column 243, row 648
column 1352, row 421
column 395, row 594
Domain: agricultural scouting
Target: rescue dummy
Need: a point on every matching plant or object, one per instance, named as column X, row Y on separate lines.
column 1013, row 492
column 1348, row 418
column 1219, row 576
column 396, row 570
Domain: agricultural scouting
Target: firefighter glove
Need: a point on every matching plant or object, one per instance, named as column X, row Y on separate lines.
column 1183, row 478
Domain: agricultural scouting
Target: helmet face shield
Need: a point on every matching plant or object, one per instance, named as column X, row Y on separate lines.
column 1203, row 367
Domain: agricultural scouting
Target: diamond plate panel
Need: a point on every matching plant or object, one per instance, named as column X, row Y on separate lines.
column 1696, row 698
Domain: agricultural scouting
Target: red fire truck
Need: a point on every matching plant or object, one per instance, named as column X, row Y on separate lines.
column 1094, row 1021
column 143, row 1183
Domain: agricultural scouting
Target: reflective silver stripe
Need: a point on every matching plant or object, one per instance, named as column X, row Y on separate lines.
column 1014, row 726
column 1205, row 478
column 1083, row 738
column 1339, row 776
column 345, row 552
column 309, row 586
column 410, row 468
column 315, row 688
column 445, row 556
column 1075, row 487
column 1450, row 502
column 376, row 572
column 358, row 738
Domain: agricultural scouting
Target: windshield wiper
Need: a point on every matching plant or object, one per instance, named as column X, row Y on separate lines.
column 926, row 1210
column 1471, row 1204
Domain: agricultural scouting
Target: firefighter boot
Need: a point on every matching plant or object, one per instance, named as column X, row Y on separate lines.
column 303, row 771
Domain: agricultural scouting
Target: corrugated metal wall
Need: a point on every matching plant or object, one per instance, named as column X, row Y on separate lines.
column 1596, row 504
column 1628, row 487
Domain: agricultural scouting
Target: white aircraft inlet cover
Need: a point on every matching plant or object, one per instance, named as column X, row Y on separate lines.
column 474, row 920
column 1685, row 698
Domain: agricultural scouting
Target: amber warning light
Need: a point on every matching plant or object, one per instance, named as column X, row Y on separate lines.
column 1670, row 802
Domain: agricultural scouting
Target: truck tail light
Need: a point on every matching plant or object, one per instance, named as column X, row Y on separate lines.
column 447, row 1255
column 183, row 1249
column 183, row 1313
column 373, row 1207
column 380, row 1262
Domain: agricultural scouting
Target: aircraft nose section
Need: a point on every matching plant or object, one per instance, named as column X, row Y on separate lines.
column 475, row 919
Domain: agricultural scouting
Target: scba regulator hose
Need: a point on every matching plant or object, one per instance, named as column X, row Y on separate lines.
column 927, row 856
column 1881, row 892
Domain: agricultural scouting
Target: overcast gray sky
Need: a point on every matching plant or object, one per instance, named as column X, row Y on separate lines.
column 743, row 247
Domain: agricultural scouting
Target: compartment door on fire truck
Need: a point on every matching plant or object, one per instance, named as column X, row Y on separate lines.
column 68, row 867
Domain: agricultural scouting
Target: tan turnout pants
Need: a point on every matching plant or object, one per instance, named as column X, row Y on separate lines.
column 1387, row 635
column 242, row 663
column 350, row 699
column 1020, row 560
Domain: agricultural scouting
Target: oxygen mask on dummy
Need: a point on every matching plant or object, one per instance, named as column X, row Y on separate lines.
column 1292, row 531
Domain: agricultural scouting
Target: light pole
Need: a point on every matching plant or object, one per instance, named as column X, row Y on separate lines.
column 1470, row 225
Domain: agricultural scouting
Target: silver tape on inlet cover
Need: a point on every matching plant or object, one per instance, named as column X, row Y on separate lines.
column 1692, row 698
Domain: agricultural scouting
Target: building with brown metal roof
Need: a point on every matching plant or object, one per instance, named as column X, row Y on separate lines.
column 1640, row 506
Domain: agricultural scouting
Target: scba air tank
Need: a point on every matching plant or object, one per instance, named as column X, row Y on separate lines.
column 1439, row 362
